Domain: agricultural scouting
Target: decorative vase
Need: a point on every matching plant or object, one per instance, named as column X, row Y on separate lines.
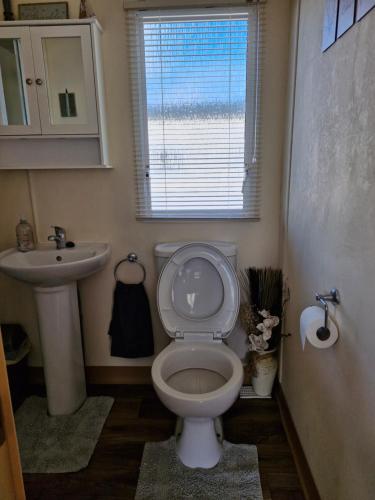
column 85, row 10
column 8, row 14
column 265, row 369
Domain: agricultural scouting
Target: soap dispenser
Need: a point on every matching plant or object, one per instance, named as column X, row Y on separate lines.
column 25, row 237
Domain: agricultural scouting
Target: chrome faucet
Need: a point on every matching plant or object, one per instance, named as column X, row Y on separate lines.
column 59, row 237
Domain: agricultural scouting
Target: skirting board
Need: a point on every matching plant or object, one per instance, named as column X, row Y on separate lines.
column 307, row 481
column 104, row 375
column 118, row 374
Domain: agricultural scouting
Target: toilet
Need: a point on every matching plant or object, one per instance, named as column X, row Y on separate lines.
column 197, row 376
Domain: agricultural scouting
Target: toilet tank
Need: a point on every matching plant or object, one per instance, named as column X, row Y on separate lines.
column 163, row 251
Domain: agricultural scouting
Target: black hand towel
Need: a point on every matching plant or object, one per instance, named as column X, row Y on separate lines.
column 131, row 327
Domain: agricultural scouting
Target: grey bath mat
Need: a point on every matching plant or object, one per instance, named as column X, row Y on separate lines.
column 164, row 477
column 59, row 444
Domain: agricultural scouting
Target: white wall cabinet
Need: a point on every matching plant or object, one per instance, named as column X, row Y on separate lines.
column 52, row 112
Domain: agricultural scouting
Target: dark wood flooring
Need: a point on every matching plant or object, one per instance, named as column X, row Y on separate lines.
column 138, row 416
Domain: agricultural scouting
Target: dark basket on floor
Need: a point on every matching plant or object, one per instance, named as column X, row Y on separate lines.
column 17, row 347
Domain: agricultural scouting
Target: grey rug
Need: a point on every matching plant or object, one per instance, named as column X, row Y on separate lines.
column 163, row 476
column 63, row 443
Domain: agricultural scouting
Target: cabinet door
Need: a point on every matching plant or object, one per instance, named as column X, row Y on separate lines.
column 11, row 483
column 18, row 98
column 65, row 81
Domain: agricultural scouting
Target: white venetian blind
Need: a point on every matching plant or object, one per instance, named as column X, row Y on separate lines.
column 196, row 81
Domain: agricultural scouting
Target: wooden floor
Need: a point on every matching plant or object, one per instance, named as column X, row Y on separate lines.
column 136, row 417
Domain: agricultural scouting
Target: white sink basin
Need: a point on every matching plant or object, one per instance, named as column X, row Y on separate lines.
column 51, row 267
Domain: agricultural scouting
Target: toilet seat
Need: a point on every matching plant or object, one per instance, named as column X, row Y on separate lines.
column 198, row 294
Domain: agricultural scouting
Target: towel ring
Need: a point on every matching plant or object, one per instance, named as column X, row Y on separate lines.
column 133, row 258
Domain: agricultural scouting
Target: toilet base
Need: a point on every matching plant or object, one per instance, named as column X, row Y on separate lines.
column 218, row 423
column 198, row 445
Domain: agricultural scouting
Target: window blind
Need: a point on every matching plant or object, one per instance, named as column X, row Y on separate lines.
column 156, row 4
column 196, row 85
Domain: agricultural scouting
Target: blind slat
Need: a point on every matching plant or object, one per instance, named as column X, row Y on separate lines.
column 195, row 84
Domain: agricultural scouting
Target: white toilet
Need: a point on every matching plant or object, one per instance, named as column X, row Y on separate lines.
column 197, row 376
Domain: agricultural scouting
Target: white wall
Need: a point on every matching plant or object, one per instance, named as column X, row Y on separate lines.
column 330, row 242
column 100, row 205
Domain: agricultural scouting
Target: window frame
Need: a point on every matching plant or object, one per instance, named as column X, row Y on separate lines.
column 252, row 118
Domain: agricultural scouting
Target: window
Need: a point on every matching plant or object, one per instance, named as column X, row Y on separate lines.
column 195, row 99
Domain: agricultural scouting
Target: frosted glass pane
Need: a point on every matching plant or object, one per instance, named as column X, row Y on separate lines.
column 13, row 109
column 65, row 80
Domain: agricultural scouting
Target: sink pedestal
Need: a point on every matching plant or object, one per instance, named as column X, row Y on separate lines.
column 61, row 343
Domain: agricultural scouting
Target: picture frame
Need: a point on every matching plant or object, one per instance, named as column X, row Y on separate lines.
column 340, row 16
column 330, row 24
column 346, row 16
column 44, row 10
column 363, row 7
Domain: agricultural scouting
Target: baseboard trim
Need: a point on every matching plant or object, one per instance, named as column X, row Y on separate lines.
column 309, row 488
column 118, row 374
column 107, row 375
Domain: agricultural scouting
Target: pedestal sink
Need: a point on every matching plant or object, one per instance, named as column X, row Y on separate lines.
column 53, row 275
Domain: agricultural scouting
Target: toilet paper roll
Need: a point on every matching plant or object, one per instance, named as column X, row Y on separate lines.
column 312, row 318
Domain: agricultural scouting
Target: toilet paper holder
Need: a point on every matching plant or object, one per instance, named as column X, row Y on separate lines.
column 333, row 296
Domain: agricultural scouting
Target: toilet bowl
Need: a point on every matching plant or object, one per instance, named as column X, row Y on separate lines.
column 197, row 376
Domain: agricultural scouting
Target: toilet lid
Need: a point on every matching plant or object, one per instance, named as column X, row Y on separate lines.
column 198, row 292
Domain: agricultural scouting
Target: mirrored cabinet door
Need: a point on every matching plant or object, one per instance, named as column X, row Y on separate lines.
column 64, row 77
column 18, row 99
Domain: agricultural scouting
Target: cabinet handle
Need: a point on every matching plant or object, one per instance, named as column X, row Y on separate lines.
column 29, row 81
column 39, row 81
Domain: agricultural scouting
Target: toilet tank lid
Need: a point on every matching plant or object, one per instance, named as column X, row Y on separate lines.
column 168, row 249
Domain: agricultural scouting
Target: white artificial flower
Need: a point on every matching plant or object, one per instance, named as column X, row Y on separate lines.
column 271, row 322
column 257, row 343
column 264, row 313
column 266, row 332
column 268, row 323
